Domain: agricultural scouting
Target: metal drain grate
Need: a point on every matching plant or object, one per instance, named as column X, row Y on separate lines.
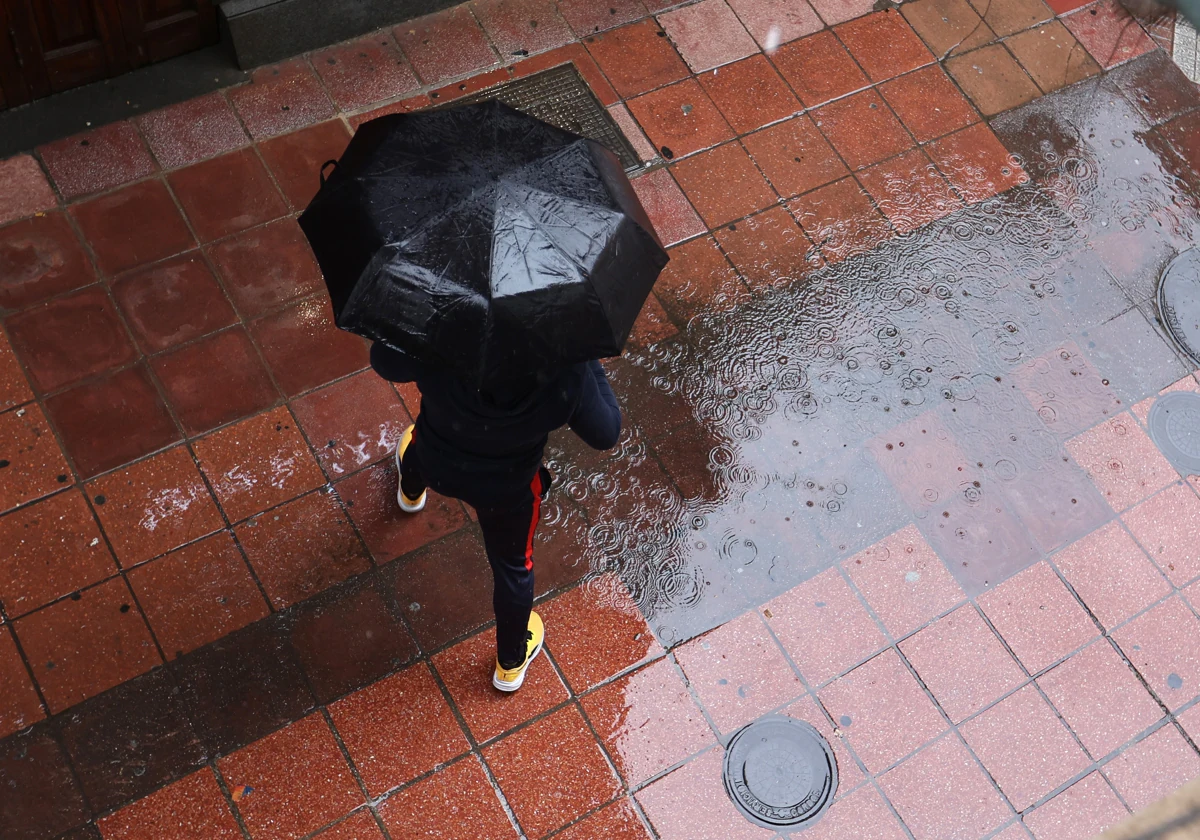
column 562, row 98
column 1175, row 428
column 1179, row 301
column 780, row 772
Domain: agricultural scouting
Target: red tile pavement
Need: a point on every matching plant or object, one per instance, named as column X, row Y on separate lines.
column 795, row 156
column 707, row 34
column 280, row 98
column 863, row 813
column 587, row 18
column 637, row 58
column 680, row 805
column 1164, row 645
column 25, row 190
column 776, row 21
column 723, row 184
column 172, row 302
column 669, row 210
column 227, row 194
column 840, row 219
column 975, row 163
column 850, row 775
column 1153, row 768
column 863, row 129
column 884, row 45
column 41, row 257
column 617, row 821
column 1112, row 575
column 1109, row 33
column 97, row 160
column 194, row 808
column 132, row 226
column 445, row 45
column 819, row 69
column 20, row 706
column 750, row 93
column 361, row 72
column 360, row 825
column 1168, row 527
column 351, row 423
column 838, row 11
column 370, row 497
column 522, row 26
column 462, row 789
column 909, row 190
column 698, row 278
column 14, row 387
column 680, row 119
column 304, row 349
column 266, row 267
column 1081, row 811
column 1122, row 461
column 35, row 462
column 769, row 248
column 295, row 159
column 192, row 131
column 928, row 103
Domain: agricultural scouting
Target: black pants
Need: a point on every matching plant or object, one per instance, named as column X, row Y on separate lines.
column 509, row 525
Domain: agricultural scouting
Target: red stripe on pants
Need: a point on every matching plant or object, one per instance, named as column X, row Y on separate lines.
column 536, row 487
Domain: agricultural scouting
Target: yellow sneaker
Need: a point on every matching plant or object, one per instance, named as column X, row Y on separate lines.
column 406, row 504
column 510, row 679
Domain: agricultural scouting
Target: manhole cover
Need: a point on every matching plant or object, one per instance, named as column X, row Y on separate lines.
column 780, row 772
column 1179, row 301
column 1175, row 429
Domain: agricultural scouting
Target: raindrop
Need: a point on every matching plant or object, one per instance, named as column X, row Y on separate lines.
column 845, row 720
column 1174, row 681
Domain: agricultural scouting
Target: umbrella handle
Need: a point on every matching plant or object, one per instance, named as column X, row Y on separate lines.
column 325, row 166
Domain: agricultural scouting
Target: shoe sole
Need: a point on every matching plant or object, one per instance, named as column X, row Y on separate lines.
column 400, row 500
column 508, row 687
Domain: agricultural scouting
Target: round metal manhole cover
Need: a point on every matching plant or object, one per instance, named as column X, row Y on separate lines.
column 1179, row 301
column 1175, row 428
column 780, row 772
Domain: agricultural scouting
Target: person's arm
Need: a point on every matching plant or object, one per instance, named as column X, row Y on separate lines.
column 597, row 418
column 393, row 365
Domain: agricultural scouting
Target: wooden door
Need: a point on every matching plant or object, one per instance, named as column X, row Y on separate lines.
column 160, row 29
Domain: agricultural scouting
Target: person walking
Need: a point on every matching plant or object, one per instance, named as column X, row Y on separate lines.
column 485, row 448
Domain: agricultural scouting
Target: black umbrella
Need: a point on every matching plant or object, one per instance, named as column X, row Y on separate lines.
column 483, row 241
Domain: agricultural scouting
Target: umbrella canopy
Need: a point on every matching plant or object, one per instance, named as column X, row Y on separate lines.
column 483, row 241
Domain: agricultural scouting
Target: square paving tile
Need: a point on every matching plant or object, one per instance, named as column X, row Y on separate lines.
column 1109, row 33
column 928, row 103
column 723, row 184
column 943, row 792
column 111, row 421
column 194, row 808
column 1168, row 527
column 863, row 129
column 258, row 463
column 750, row 94
column 708, row 34
column 41, row 796
column 637, row 58
column 1111, row 574
column 909, row 190
column 949, row 27
column 670, row 212
column 462, row 789
column 133, row 226
column 1164, row 646
column 97, row 160
column 20, row 706
column 466, row 670
column 172, row 302
column 795, row 156
column 295, row 159
column 299, row 778
column 633, row 132
column 360, row 825
column 197, row 594
column 1190, row 721
column 850, row 775
column 617, row 821
column 520, row 27
column 552, row 772
column 903, row 581
column 698, row 279
column 819, row 69
column 1081, row 811
column 39, row 258
column 824, row 627
column 976, row 163
column 80, row 647
column 399, row 728
column 839, row 11
column 840, row 219
column 992, row 79
column 266, row 267
column 1038, row 617
column 368, row 70
column 606, row 634
column 280, row 98
column 445, row 45
column 305, row 349
column 864, row 813
column 962, row 662
column 883, row 711
column 884, row 45
column 227, row 194
column 352, row 423
column 1068, row 393
column 775, row 22
column 1153, row 768
column 1157, row 87
column 26, row 190
column 192, row 131
column 1100, row 698
column 34, row 464
column 652, row 326
column 14, row 387
column 98, row 342
column 1052, row 56
column 738, row 672
column 50, row 549
column 215, row 380
column 1024, row 746
column 154, row 506
column 1011, row 16
column 587, row 18
column 647, row 721
column 302, row 548
column 691, row 804
column 680, row 119
column 769, row 248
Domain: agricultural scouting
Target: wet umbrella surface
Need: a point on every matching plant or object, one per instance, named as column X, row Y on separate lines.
column 483, row 241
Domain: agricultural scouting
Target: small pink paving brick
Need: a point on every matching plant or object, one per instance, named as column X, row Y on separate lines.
column 629, row 127
column 850, row 775
column 691, row 804
column 24, row 189
column 1168, row 527
column 962, row 662
column 824, row 627
column 1186, row 385
column 863, row 815
column 1067, row 392
column 1024, row 746
column 1112, row 575
column 1190, row 721
column 738, row 672
column 1038, row 617
column 670, row 212
column 882, row 710
column 708, row 34
column 1080, row 812
column 1100, row 698
column 1164, row 645
column 1121, row 461
column 904, row 581
column 1153, row 767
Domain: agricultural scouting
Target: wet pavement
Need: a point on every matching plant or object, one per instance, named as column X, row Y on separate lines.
column 886, row 466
